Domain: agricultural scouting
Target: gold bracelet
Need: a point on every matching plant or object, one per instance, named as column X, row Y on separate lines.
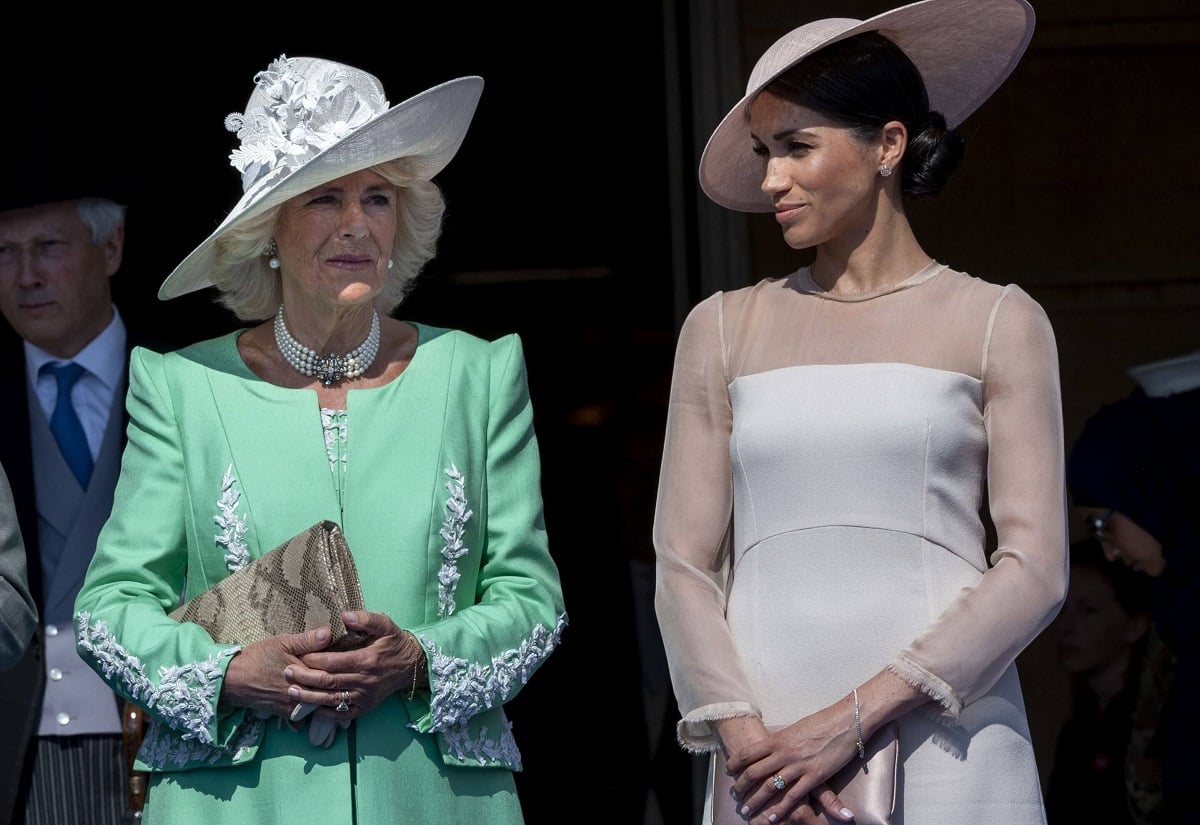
column 412, row 691
column 862, row 749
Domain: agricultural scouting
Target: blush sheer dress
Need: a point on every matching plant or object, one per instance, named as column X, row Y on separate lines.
column 819, row 518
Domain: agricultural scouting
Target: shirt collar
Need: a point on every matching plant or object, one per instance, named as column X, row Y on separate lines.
column 104, row 356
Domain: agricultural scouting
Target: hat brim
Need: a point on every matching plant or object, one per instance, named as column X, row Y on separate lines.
column 964, row 50
column 427, row 129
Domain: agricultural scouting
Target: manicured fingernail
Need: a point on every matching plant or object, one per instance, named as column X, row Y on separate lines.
column 846, row 812
column 322, row 635
column 293, row 692
column 288, row 673
column 772, row 818
column 745, row 810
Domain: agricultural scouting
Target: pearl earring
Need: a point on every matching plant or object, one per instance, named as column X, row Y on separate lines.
column 391, row 263
column 273, row 255
column 885, row 171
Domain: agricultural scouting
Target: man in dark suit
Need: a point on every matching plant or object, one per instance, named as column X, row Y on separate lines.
column 64, row 352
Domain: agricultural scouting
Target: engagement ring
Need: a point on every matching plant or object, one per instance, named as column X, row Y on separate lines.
column 778, row 783
column 343, row 705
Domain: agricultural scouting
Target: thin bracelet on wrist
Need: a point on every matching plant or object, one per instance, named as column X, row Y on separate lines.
column 412, row 691
column 862, row 748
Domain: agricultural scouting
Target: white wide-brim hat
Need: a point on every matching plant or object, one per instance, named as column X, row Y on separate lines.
column 310, row 121
column 964, row 50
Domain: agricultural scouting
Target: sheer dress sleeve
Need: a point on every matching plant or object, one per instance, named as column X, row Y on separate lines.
column 975, row 639
column 691, row 531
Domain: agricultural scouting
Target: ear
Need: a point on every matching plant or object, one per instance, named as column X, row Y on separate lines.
column 893, row 140
column 114, row 248
column 1136, row 627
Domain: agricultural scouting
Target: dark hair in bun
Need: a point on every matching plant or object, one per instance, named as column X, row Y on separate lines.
column 865, row 81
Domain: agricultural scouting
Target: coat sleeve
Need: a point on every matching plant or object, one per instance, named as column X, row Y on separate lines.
column 18, row 614
column 173, row 670
column 482, row 653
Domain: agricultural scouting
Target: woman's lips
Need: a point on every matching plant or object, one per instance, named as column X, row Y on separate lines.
column 788, row 213
column 350, row 262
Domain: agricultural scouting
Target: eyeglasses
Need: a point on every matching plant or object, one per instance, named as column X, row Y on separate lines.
column 1097, row 526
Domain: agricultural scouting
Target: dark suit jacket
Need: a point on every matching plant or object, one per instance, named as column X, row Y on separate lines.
column 22, row 687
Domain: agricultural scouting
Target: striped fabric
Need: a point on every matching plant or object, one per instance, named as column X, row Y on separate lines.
column 78, row 780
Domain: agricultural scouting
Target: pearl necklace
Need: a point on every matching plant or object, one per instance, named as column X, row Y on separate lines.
column 332, row 368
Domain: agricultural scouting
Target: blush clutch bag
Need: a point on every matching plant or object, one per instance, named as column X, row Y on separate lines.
column 302, row 584
column 866, row 786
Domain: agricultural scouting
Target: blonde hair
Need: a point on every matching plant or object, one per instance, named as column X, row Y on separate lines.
column 251, row 290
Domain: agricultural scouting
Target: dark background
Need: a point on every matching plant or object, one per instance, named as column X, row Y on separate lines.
column 555, row 229
column 1079, row 186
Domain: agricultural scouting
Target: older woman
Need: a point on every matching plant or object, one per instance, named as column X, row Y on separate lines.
column 417, row 441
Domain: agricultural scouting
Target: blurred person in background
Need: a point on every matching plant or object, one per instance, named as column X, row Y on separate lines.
column 1134, row 479
column 1101, row 634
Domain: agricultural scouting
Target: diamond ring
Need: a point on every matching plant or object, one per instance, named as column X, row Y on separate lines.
column 777, row 782
column 343, row 705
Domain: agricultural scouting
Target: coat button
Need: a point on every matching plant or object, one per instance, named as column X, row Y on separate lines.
column 63, row 719
column 51, row 630
column 55, row 674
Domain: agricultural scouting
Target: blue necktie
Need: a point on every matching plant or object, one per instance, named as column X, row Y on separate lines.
column 65, row 424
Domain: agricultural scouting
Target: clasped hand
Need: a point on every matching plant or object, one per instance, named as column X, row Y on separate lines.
column 293, row 676
column 802, row 755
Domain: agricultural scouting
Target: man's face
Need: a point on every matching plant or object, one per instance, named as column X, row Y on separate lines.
column 54, row 280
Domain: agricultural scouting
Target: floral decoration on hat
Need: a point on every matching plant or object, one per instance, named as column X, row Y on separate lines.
column 299, row 117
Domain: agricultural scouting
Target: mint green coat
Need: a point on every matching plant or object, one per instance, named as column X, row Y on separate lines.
column 442, row 508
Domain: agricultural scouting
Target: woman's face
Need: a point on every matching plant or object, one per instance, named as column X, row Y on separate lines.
column 335, row 240
column 819, row 174
column 1124, row 540
column 1092, row 629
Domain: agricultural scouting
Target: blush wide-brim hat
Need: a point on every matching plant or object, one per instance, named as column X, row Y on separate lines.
column 964, row 50
column 310, row 121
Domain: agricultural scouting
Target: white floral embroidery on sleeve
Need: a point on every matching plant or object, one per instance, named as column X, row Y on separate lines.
column 185, row 694
column 462, row 689
column 481, row 749
column 165, row 749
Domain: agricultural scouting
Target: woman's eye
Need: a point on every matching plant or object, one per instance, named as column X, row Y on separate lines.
column 760, row 150
column 796, row 147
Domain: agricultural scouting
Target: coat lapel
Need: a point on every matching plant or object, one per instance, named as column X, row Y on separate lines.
column 278, row 457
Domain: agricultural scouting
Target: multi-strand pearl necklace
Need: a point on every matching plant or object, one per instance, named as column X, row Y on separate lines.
column 332, row 368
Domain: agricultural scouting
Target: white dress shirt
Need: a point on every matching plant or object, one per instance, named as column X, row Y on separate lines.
column 103, row 361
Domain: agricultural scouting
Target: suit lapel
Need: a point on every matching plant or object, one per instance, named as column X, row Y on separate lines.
column 91, row 515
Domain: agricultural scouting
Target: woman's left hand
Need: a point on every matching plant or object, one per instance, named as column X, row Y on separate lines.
column 803, row 755
column 362, row 678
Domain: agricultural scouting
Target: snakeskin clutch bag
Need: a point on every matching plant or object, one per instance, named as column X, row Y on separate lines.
column 867, row 786
column 302, row 584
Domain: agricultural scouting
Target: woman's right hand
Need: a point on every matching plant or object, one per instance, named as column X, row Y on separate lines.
column 254, row 679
